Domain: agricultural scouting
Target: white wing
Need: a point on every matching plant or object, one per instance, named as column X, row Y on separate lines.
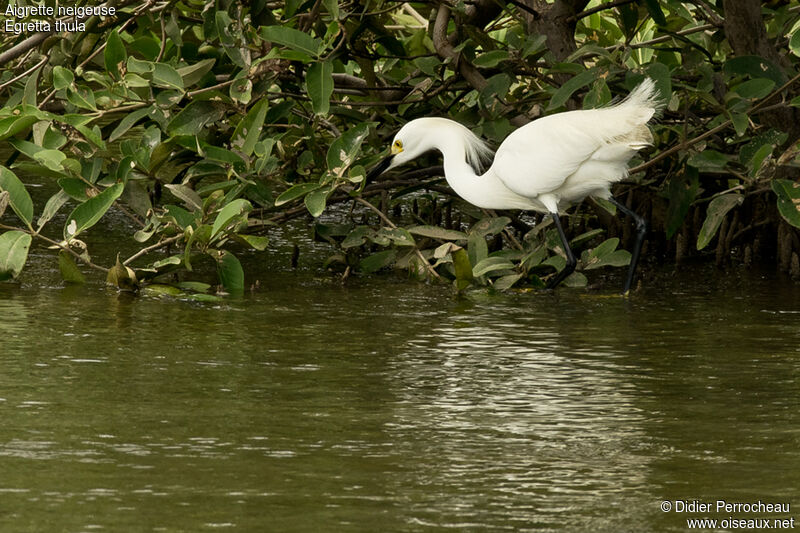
column 539, row 157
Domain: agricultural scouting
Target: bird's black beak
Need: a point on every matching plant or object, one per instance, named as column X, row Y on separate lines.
column 379, row 169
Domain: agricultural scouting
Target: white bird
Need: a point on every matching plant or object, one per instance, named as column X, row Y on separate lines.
column 544, row 166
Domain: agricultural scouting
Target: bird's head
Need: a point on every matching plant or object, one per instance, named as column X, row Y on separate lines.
column 413, row 140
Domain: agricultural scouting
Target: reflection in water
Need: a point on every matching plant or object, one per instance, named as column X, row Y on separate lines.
column 394, row 407
column 524, row 427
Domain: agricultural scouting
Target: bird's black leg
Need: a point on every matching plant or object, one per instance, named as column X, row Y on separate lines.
column 641, row 231
column 571, row 262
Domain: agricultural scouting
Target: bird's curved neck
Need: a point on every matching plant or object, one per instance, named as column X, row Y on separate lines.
column 459, row 174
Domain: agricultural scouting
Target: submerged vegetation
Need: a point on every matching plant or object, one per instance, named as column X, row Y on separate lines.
column 205, row 125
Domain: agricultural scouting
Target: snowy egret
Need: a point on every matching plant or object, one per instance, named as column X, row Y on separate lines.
column 543, row 166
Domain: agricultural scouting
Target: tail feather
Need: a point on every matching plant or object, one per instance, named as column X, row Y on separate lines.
column 646, row 98
column 626, row 121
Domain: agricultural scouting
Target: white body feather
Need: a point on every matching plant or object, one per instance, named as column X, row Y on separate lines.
column 545, row 165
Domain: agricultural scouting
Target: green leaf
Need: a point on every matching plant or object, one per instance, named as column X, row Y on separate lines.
column 398, row 236
column 345, row 148
column 82, row 97
column 377, row 261
column 215, row 153
column 629, row 18
column 435, row 232
column 605, row 248
column 91, row 211
column 25, row 147
column 192, row 74
column 489, row 226
column 332, row 6
column 491, row 264
column 757, row 160
column 51, row 159
column 74, row 188
column 754, row 89
column 740, row 123
column 555, row 261
column 715, row 214
column 128, row 121
column 166, row 76
column 794, row 43
column 253, row 241
column 234, row 209
column 92, row 135
column 31, row 91
column 788, row 193
column 428, row 65
column 51, row 208
column 576, row 280
column 13, row 125
column 294, row 39
column 585, row 237
column 754, row 66
column 491, row 59
column 315, row 201
column 137, row 66
column 319, row 86
column 14, row 246
column 355, row 238
column 462, row 267
column 122, row 277
column 606, row 254
column 182, row 217
column 19, row 199
column 598, row 95
column 476, row 247
column 709, row 160
column 62, row 77
column 196, row 286
column 496, row 88
column 137, row 197
column 660, row 73
column 69, row 270
column 534, row 258
column 504, row 283
column 194, row 117
column 114, row 55
column 241, row 90
column 617, row 258
column 230, row 273
column 655, row 11
column 248, row 130
column 134, row 80
column 294, row 192
column 186, row 194
column 171, row 261
column 573, row 84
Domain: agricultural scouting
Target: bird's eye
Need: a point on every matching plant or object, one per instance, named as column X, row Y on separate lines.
column 398, row 144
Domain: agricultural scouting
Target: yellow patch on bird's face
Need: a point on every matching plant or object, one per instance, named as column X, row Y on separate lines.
column 397, row 147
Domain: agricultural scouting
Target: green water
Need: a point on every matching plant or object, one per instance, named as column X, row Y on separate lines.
column 386, row 405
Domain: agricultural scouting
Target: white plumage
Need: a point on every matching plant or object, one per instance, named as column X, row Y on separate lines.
column 544, row 166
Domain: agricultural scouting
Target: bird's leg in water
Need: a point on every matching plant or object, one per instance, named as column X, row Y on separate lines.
column 571, row 262
column 641, row 231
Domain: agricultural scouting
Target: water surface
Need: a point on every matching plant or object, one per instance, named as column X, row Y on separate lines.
column 387, row 405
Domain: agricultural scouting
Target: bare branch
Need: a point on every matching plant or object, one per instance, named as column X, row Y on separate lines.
column 445, row 49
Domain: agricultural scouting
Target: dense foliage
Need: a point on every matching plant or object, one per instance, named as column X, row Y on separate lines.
column 206, row 124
